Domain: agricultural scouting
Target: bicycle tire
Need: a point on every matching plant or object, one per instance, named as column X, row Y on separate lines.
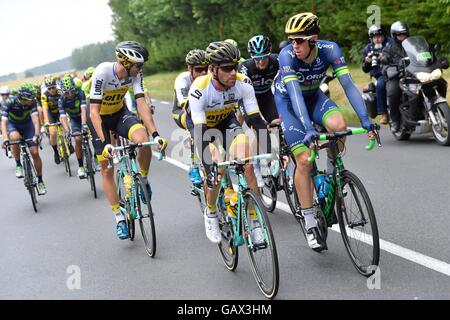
column 66, row 157
column 269, row 193
column 289, row 186
column 365, row 268
column 228, row 251
column 29, row 183
column 149, row 235
column 89, row 160
column 268, row 288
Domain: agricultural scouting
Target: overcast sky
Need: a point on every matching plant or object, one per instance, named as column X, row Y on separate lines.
column 35, row 32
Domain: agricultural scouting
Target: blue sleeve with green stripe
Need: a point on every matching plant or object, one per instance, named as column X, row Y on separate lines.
column 342, row 72
column 292, row 85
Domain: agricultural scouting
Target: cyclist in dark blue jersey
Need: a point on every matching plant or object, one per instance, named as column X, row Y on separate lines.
column 73, row 103
column 20, row 120
column 302, row 105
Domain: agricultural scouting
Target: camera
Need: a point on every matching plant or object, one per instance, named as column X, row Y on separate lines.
column 374, row 56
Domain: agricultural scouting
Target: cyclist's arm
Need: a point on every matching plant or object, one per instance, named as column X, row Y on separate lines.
column 5, row 111
column 143, row 108
column 294, row 90
column 342, row 72
column 198, row 115
column 44, row 107
column 35, row 119
column 96, row 96
column 83, row 107
column 62, row 114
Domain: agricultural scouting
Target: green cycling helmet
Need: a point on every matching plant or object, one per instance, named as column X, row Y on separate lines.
column 67, row 84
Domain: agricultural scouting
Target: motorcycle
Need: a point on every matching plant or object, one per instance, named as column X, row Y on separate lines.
column 423, row 107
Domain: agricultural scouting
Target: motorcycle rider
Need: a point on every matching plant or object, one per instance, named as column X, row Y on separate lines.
column 392, row 54
column 371, row 64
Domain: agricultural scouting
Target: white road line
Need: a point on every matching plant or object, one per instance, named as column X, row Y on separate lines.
column 413, row 256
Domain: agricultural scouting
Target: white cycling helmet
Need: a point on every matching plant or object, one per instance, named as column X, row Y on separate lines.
column 4, row 90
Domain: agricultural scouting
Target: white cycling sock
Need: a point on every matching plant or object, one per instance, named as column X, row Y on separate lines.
column 310, row 221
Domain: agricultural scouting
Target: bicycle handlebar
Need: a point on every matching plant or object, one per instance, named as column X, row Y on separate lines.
column 337, row 135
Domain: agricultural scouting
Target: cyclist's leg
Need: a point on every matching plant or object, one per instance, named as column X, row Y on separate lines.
column 52, row 118
column 131, row 128
column 14, row 135
column 294, row 133
column 329, row 116
column 75, row 124
column 109, row 185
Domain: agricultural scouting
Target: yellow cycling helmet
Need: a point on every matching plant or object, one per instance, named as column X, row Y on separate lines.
column 305, row 23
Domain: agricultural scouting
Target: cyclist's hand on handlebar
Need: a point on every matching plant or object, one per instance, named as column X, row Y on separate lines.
column 211, row 181
column 37, row 139
column 107, row 151
column 310, row 137
column 162, row 143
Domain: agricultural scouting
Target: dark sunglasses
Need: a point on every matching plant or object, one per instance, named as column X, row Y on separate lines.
column 200, row 69
column 230, row 68
column 50, row 88
column 298, row 40
column 139, row 65
column 70, row 92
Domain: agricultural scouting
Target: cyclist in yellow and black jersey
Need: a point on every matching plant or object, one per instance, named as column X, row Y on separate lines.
column 107, row 112
column 212, row 102
column 49, row 102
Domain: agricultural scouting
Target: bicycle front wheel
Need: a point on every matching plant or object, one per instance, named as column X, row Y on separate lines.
column 287, row 175
column 263, row 257
column 30, row 183
column 227, row 248
column 145, row 212
column 90, row 170
column 358, row 224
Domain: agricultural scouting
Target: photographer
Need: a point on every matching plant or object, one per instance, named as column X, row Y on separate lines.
column 392, row 55
column 371, row 63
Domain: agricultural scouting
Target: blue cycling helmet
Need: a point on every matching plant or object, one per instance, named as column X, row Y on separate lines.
column 26, row 92
column 259, row 45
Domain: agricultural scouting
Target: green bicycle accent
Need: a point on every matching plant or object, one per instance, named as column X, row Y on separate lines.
column 129, row 193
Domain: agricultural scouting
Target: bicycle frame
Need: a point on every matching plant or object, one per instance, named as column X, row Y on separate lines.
column 238, row 169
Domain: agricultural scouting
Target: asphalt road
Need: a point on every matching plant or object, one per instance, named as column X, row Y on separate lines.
column 74, row 234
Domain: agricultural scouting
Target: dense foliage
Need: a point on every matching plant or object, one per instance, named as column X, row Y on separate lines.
column 170, row 28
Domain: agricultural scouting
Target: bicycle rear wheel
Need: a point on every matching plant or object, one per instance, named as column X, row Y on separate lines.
column 269, row 193
column 146, row 221
column 263, row 259
column 358, row 224
column 227, row 249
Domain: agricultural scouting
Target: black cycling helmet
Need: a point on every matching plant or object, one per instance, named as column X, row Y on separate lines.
column 375, row 30
column 131, row 52
column 283, row 44
column 196, row 57
column 221, row 52
column 259, row 45
column 399, row 27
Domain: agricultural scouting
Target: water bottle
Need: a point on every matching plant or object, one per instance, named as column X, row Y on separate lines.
column 128, row 182
column 321, row 182
column 231, row 200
